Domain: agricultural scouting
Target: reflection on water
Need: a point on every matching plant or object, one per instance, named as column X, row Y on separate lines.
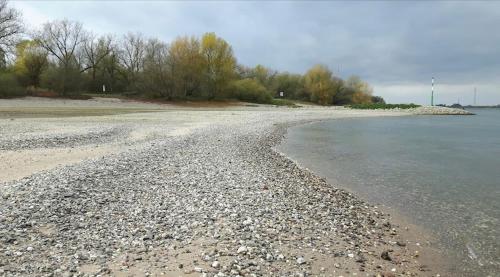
column 443, row 172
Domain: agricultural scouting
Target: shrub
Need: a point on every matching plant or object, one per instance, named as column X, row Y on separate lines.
column 374, row 106
column 63, row 81
column 9, row 86
column 250, row 90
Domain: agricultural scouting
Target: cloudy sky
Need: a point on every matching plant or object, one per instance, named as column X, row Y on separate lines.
column 396, row 46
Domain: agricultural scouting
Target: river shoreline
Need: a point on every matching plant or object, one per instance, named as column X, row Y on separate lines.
column 187, row 193
column 417, row 240
column 379, row 160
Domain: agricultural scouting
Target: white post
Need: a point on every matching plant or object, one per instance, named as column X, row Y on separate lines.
column 475, row 96
column 103, row 88
column 432, row 92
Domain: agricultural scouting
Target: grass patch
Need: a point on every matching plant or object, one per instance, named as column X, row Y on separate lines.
column 283, row 102
column 378, row 106
column 105, row 95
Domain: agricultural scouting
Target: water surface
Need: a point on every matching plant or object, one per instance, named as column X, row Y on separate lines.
column 442, row 172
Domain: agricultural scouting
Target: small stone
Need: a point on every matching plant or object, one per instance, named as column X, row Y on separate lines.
column 385, row 255
column 216, row 264
column 242, row 250
column 301, row 260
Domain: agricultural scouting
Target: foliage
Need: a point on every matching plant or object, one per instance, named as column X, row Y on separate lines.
column 219, row 65
column 62, row 58
column 31, row 61
column 154, row 81
column 378, row 99
column 374, row 106
column 320, row 85
column 250, row 90
column 292, row 86
column 9, row 86
column 361, row 90
column 187, row 67
column 66, row 81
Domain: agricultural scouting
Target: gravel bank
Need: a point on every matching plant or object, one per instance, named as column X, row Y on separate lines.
column 215, row 200
column 436, row 110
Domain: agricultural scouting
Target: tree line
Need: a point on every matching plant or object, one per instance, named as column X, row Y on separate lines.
column 64, row 58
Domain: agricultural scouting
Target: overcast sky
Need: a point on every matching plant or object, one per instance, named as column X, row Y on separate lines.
column 396, row 46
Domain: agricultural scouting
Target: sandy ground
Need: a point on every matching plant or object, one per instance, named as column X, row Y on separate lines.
column 38, row 142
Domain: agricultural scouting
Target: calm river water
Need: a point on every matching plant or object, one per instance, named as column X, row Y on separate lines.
column 441, row 172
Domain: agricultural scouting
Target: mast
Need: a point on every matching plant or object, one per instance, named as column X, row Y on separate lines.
column 432, row 92
column 475, row 96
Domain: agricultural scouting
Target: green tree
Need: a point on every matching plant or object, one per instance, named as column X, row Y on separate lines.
column 219, row 65
column 250, row 90
column 9, row 86
column 292, row 86
column 108, row 73
column 378, row 100
column 264, row 75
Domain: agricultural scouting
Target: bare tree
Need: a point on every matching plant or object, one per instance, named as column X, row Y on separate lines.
column 11, row 27
column 95, row 50
column 132, row 54
column 62, row 39
column 156, row 78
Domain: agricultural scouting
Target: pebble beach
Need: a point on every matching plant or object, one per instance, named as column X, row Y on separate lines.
column 180, row 191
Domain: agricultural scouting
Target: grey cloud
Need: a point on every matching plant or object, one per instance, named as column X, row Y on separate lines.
column 387, row 43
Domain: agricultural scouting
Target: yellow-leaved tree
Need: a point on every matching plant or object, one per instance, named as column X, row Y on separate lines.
column 219, row 65
column 31, row 60
column 187, row 66
column 320, row 85
column 362, row 90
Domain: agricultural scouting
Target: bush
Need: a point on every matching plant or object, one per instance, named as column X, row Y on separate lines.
column 378, row 99
column 375, row 106
column 250, row 90
column 64, row 82
column 9, row 86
